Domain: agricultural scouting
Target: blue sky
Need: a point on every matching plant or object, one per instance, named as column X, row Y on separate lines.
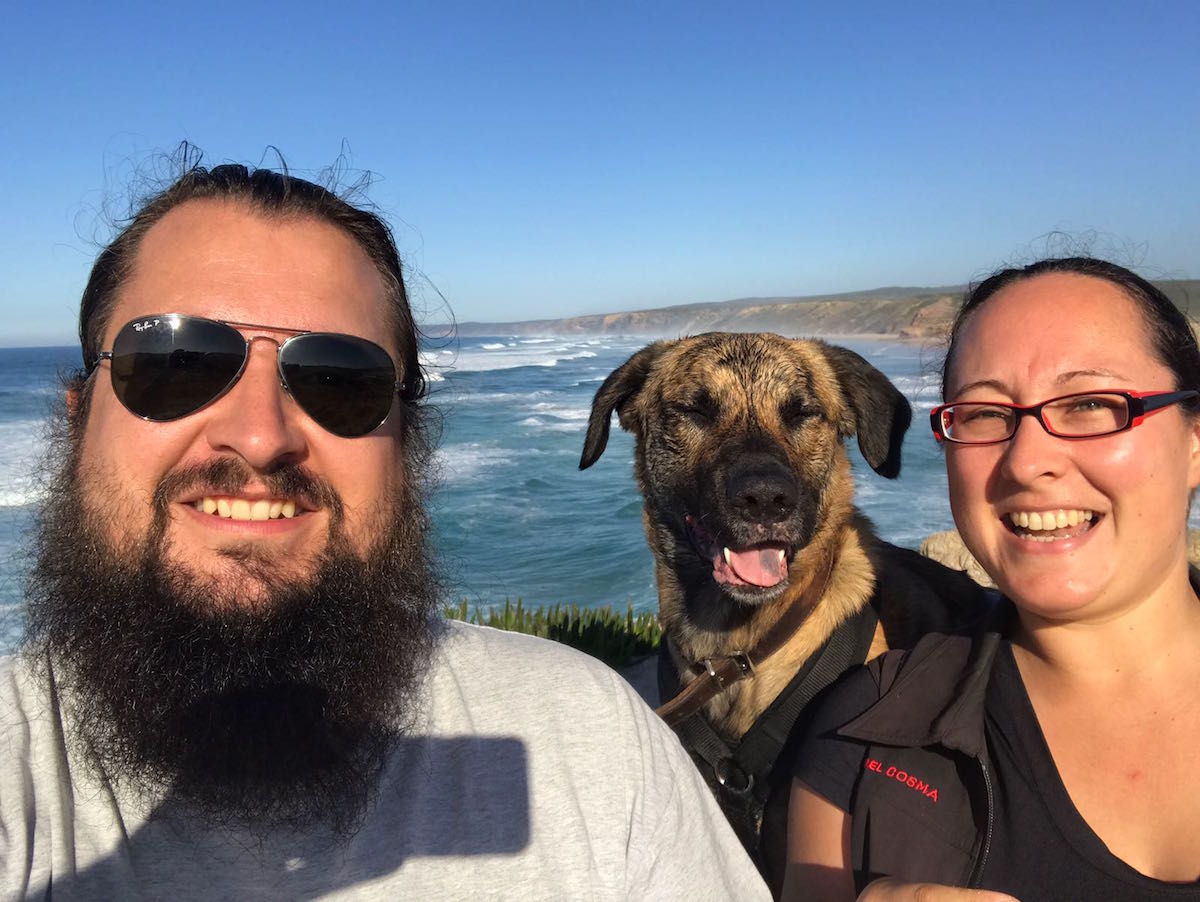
column 548, row 159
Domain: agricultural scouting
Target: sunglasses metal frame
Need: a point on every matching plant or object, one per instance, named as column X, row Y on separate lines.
column 237, row 327
column 1140, row 405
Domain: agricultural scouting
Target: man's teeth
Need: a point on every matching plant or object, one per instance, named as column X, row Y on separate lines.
column 244, row 509
column 1036, row 521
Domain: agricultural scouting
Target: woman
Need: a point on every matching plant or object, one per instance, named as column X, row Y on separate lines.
column 1052, row 755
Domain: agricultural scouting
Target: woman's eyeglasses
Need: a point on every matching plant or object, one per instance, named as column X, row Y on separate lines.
column 1079, row 415
column 169, row 365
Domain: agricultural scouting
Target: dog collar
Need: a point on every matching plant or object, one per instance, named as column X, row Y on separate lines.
column 716, row 674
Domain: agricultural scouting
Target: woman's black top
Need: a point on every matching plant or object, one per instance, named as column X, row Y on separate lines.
column 1041, row 848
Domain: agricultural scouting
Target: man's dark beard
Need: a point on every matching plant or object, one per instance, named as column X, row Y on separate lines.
column 280, row 714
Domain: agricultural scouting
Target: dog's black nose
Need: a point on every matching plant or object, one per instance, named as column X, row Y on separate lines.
column 761, row 489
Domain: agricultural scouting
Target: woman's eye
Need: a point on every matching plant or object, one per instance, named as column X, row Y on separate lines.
column 974, row 414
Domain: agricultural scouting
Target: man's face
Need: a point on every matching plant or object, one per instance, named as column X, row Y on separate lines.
column 255, row 670
column 222, row 261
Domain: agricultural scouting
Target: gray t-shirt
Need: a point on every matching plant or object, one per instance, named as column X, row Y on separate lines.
column 536, row 773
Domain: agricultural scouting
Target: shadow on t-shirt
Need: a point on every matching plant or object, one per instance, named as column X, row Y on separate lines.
column 438, row 798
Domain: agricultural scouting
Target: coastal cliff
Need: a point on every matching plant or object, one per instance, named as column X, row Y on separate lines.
column 911, row 313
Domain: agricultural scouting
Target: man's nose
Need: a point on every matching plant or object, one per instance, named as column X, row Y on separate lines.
column 256, row 419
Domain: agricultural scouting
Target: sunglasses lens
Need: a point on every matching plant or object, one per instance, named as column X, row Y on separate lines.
column 344, row 383
column 166, row 367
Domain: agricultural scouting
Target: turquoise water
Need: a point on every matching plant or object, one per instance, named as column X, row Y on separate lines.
column 514, row 516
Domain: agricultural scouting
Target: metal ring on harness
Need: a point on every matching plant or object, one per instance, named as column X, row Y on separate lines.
column 729, row 773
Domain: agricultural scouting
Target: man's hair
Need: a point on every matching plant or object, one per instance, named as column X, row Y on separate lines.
column 273, row 194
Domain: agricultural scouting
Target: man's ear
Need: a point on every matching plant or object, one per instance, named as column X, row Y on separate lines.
column 71, row 397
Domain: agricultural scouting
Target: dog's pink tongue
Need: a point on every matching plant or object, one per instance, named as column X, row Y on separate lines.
column 764, row 566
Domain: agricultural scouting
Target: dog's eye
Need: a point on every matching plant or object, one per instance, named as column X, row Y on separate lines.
column 796, row 411
column 701, row 409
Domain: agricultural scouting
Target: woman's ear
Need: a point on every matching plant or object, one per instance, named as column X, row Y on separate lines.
column 1194, row 453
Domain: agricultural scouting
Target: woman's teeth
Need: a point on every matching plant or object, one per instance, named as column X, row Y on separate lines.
column 244, row 509
column 1048, row 519
column 1029, row 522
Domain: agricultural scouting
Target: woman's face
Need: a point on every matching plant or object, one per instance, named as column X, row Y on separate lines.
column 1036, row 339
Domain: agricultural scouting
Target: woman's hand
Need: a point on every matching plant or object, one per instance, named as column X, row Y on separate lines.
column 889, row 889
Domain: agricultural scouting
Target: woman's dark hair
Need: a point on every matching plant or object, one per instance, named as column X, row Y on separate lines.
column 1168, row 329
column 270, row 193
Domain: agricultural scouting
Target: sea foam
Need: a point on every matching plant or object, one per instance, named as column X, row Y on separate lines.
column 22, row 443
column 470, row 460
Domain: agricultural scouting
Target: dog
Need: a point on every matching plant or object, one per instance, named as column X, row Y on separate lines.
column 760, row 555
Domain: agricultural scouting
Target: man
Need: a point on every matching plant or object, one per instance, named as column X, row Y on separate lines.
column 233, row 682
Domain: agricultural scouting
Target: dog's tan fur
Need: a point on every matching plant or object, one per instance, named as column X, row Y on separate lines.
column 694, row 406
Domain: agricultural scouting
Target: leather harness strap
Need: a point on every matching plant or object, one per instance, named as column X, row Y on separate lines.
column 714, row 675
column 740, row 773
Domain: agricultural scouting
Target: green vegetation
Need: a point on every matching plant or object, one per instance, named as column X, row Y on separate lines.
column 616, row 639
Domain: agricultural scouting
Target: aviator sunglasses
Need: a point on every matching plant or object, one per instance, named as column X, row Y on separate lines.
column 168, row 365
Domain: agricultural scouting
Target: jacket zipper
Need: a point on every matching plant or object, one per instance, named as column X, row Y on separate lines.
column 977, row 871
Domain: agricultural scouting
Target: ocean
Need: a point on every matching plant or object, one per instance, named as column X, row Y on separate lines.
column 514, row 517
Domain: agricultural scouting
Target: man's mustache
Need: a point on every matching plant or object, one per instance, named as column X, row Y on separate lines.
column 229, row 476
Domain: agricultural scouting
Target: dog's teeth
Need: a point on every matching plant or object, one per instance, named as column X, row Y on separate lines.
column 727, row 556
column 782, row 558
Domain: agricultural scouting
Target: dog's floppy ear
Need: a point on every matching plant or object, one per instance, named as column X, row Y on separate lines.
column 878, row 412
column 622, row 384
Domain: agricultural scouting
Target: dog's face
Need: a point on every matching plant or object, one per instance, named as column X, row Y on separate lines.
column 740, row 454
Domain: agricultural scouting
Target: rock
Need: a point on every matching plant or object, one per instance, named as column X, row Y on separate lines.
column 948, row 548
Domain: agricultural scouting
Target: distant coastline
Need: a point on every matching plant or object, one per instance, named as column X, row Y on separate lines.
column 896, row 313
